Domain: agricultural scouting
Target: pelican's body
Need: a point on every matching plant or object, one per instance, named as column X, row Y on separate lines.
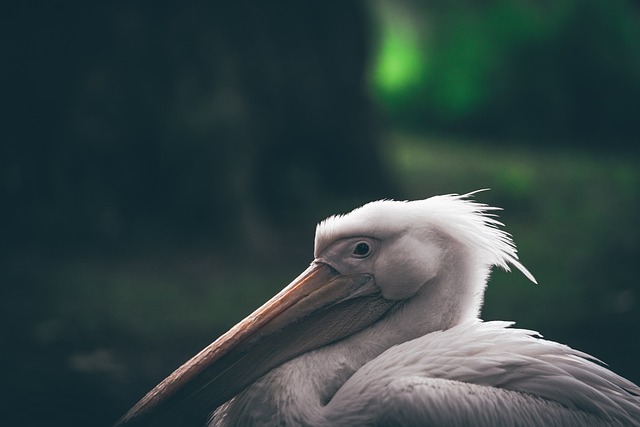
column 474, row 374
column 383, row 329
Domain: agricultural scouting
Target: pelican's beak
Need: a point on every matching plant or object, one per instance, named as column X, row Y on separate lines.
column 319, row 307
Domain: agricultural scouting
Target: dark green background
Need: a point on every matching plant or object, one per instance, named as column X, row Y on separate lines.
column 162, row 168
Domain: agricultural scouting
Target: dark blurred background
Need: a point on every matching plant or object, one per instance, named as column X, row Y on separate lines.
column 163, row 165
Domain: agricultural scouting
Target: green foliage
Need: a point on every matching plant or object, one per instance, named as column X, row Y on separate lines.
column 538, row 70
column 400, row 62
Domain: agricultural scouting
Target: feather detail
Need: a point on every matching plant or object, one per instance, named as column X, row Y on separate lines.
column 495, row 356
column 466, row 221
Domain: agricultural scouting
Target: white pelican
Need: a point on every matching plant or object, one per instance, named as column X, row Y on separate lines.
column 383, row 329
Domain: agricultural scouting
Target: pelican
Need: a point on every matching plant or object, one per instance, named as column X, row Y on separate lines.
column 383, row 329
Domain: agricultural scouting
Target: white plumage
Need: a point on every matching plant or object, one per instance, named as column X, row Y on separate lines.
column 383, row 329
column 471, row 371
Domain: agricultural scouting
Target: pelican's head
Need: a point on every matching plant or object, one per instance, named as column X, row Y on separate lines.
column 405, row 245
column 433, row 255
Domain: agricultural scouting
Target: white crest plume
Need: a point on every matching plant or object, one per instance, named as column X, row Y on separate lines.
column 471, row 223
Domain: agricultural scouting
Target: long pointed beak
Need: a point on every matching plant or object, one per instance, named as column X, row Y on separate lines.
column 311, row 312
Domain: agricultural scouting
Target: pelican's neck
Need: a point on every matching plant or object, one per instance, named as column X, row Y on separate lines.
column 297, row 392
column 454, row 295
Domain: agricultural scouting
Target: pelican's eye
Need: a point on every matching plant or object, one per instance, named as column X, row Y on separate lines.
column 362, row 250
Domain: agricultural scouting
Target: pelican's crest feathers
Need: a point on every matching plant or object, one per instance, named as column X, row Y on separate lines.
column 458, row 216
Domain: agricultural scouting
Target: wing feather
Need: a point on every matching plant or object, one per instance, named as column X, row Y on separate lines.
column 475, row 366
column 415, row 401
